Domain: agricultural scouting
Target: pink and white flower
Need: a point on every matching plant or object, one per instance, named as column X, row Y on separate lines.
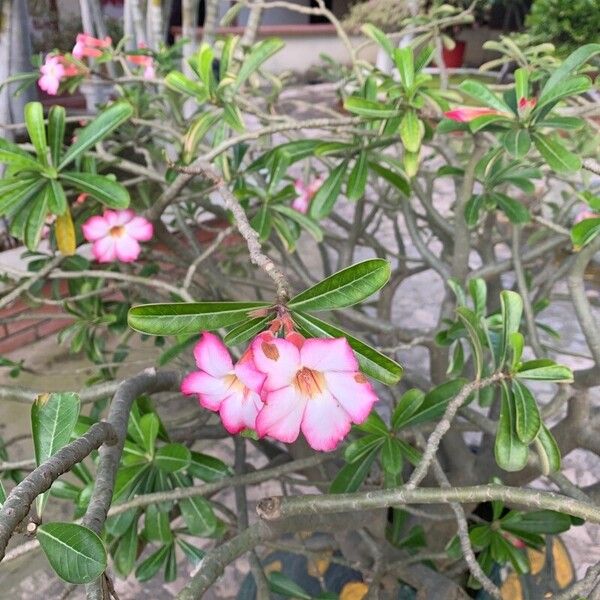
column 52, row 73
column 89, row 46
column 143, row 60
column 311, row 385
column 464, row 114
column 306, row 192
column 116, row 235
column 231, row 390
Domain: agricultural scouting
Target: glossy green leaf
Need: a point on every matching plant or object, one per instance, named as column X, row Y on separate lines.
column 473, row 209
column 548, row 522
column 56, row 132
column 511, row 308
column 517, row 142
column 36, row 128
column 104, row 124
column 207, row 468
column 17, row 158
column 149, row 424
column 370, row 109
column 511, row 453
column 36, row 219
column 411, row 131
column 150, row 567
column 585, row 231
column 363, row 446
column 177, row 81
column 188, row 317
column 396, row 179
column 527, row 414
column 53, row 418
column 350, row 477
column 555, row 154
column 379, row 38
column 480, row 92
column 474, row 331
column 372, row 362
column 357, row 181
column 404, row 60
column 172, row 458
column 546, row 444
column 157, row 526
column 407, row 406
column 75, row 552
column 544, row 370
column 325, row 198
column 57, row 200
column 18, row 192
column 569, row 87
column 391, row 455
column 260, row 52
column 521, row 83
column 281, row 584
column 198, row 515
column 516, row 211
column 193, row 554
column 302, row 220
column 246, row 330
column 344, row 288
column 110, row 193
column 125, row 554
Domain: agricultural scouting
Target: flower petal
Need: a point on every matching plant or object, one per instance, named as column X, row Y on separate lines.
column 104, row 249
column 95, row 228
column 127, row 248
column 139, row 228
column 353, row 391
column 212, row 356
column 328, row 355
column 281, row 415
column 279, row 359
column 238, row 411
column 248, row 374
column 325, row 423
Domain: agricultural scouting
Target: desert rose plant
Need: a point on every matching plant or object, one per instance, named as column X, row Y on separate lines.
column 360, row 302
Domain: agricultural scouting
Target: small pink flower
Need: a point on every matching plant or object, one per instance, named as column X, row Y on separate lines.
column 305, row 194
column 232, row 390
column 116, row 234
column 53, row 71
column 143, row 60
column 81, row 198
column 88, row 46
column 583, row 214
column 464, row 114
column 312, row 385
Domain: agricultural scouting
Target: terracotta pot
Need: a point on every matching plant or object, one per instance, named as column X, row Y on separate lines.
column 453, row 59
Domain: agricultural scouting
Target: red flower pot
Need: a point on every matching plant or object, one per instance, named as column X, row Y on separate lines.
column 453, row 59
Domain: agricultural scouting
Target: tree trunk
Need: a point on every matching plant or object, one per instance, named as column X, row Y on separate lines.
column 211, row 16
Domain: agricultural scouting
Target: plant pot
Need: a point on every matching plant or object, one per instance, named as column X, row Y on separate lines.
column 453, row 59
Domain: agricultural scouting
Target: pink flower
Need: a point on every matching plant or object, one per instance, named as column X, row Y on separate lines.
column 81, row 198
column 306, row 193
column 232, row 390
column 88, row 46
column 464, row 114
column 53, row 71
column 143, row 60
column 312, row 385
column 584, row 214
column 116, row 235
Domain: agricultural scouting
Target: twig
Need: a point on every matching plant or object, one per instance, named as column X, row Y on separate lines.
column 202, row 257
column 19, row 500
column 591, row 165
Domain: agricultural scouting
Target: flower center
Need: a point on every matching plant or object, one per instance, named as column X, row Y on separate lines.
column 234, row 384
column 117, row 231
column 309, row 383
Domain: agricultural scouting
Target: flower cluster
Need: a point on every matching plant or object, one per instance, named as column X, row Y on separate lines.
column 87, row 46
column 283, row 385
column 116, row 235
column 56, row 68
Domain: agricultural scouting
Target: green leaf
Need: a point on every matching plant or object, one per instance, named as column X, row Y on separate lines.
column 570, row 64
column 125, row 553
column 260, row 52
column 178, row 82
column 404, row 60
column 110, row 193
column 391, row 455
column 281, row 584
column 197, row 513
column 546, row 443
column 521, row 83
column 363, row 446
column 106, row 122
column 172, row 458
column 513, row 209
column 34, row 121
column 56, row 132
column 527, row 413
column 570, row 87
column 193, row 554
column 357, row 181
column 407, row 406
column 16, row 193
column 188, row 317
column 516, row 343
column 75, row 552
column 555, row 154
column 244, row 331
column 57, row 201
column 547, row 522
column 511, row 453
column 149, row 424
column 411, row 131
column 195, row 134
column 351, row 476
column 370, row 109
column 262, row 222
column 379, row 38
column 233, row 117
column 207, row 468
column 511, row 308
column 372, row 362
column 36, row 219
column 545, row 370
column 517, row 142
column 396, row 179
column 344, row 288
column 53, row 418
column 585, row 231
column 326, row 196
column 150, row 567
column 305, row 222
column 480, row 92
column 157, row 526
column 18, row 159
column 473, row 208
